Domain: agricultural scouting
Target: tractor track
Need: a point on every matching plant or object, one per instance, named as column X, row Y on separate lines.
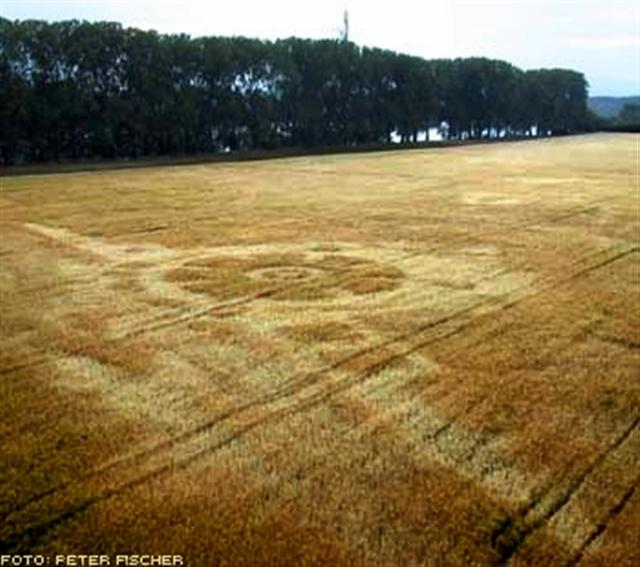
column 602, row 525
column 551, row 509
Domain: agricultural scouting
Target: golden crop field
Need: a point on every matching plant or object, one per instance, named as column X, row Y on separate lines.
column 426, row 357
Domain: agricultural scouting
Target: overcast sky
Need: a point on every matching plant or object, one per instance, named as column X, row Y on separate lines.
column 599, row 38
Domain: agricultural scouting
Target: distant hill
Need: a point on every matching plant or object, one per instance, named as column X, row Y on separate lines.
column 610, row 106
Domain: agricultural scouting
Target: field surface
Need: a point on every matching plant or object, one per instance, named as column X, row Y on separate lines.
column 404, row 358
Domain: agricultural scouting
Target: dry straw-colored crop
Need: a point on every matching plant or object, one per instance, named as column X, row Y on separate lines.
column 418, row 357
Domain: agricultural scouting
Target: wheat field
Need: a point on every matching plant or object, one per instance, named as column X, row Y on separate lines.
column 426, row 357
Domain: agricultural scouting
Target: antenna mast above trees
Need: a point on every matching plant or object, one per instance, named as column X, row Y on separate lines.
column 345, row 26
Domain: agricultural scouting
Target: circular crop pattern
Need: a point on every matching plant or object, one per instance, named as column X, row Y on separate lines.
column 287, row 277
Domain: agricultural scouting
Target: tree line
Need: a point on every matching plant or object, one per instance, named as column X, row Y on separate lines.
column 77, row 90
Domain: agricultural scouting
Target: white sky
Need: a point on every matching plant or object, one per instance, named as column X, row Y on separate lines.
column 599, row 38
